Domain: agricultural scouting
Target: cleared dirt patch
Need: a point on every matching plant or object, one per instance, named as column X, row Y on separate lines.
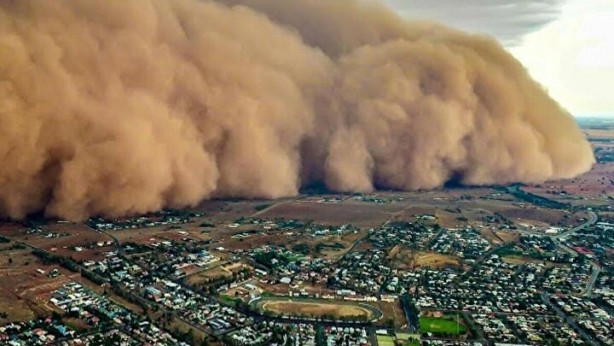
column 360, row 215
column 508, row 237
column 215, row 273
column 521, row 260
column 15, row 308
column 500, row 237
column 408, row 259
column 593, row 185
column 392, row 311
column 25, row 285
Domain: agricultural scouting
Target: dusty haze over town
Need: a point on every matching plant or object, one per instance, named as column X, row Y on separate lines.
column 118, row 108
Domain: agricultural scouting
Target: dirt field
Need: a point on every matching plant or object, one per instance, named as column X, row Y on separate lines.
column 62, row 238
column 217, row 272
column 15, row 308
column 542, row 216
column 599, row 133
column 157, row 234
column 508, row 237
column 403, row 258
column 315, row 309
column 24, row 291
column 329, row 245
column 392, row 311
column 347, row 240
column 219, row 211
column 356, row 214
column 520, row 260
column 223, row 238
column 594, row 187
column 445, row 218
column 498, row 238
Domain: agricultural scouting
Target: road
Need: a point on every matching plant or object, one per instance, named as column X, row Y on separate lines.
column 411, row 318
column 591, row 221
column 556, row 238
column 476, row 264
column 368, row 235
column 588, row 291
column 118, row 246
column 481, row 338
column 570, row 321
column 273, row 205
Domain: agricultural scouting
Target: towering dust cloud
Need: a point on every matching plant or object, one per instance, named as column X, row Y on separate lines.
column 122, row 107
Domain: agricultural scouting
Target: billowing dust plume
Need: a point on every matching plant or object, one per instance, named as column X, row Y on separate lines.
column 122, row 107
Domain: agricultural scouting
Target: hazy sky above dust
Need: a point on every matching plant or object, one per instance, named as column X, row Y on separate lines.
column 567, row 45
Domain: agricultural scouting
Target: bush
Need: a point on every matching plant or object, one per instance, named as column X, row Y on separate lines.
column 301, row 248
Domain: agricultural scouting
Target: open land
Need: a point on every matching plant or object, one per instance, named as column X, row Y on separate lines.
column 406, row 259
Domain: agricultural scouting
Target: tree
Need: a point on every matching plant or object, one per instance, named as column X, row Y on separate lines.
column 191, row 338
column 320, row 336
column 301, row 248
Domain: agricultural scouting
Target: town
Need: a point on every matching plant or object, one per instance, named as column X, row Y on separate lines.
column 522, row 265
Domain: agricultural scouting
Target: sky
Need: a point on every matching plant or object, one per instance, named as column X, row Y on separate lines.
column 567, row 45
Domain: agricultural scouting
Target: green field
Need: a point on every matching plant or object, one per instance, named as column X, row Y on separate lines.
column 228, row 300
column 407, row 336
column 409, row 339
column 385, row 340
column 447, row 325
column 404, row 338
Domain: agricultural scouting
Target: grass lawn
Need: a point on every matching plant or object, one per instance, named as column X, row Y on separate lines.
column 409, row 339
column 441, row 326
column 407, row 336
column 385, row 340
column 228, row 300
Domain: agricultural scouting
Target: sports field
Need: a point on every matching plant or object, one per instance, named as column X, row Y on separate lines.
column 441, row 326
column 316, row 309
column 385, row 340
